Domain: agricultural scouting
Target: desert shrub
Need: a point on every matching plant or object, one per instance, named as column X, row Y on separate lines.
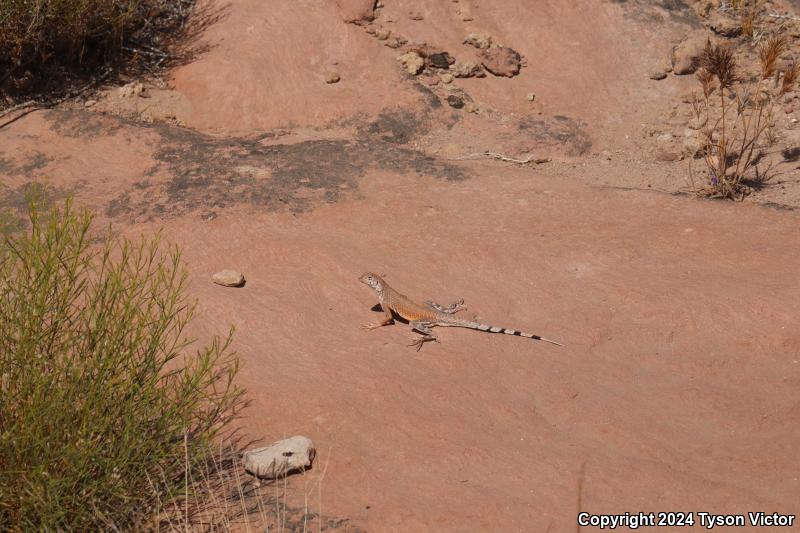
column 737, row 112
column 50, row 41
column 104, row 411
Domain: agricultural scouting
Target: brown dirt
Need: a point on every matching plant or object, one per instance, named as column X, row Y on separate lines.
column 677, row 389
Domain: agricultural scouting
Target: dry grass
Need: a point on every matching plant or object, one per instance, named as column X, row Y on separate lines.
column 51, row 46
column 790, row 76
column 739, row 125
column 720, row 63
column 221, row 498
column 769, row 53
column 747, row 23
column 747, row 17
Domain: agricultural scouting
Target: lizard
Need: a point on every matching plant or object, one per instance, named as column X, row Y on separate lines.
column 423, row 317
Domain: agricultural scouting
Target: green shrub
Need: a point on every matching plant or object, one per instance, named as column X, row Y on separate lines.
column 104, row 413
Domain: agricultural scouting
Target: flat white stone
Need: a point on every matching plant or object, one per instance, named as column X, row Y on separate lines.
column 280, row 458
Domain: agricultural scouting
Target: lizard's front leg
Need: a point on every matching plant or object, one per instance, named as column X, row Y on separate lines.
column 427, row 333
column 387, row 319
column 450, row 309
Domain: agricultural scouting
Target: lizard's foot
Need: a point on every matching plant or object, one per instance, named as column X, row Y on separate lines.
column 427, row 333
column 450, row 309
column 419, row 341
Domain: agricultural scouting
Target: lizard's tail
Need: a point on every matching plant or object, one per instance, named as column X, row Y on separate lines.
column 496, row 329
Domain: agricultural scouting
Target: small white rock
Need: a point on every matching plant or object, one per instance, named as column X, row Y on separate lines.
column 280, row 458
column 228, row 278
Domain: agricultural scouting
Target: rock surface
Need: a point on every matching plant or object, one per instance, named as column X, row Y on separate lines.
column 280, row 458
column 686, row 55
column 357, row 10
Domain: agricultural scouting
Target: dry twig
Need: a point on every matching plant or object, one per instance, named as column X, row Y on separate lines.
column 501, row 157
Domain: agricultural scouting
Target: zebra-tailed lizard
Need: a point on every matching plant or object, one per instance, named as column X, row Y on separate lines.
column 423, row 317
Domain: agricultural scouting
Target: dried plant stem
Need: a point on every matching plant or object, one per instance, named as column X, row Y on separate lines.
column 722, row 152
column 501, row 157
column 751, row 142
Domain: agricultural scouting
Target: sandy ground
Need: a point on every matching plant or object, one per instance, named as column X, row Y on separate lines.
column 677, row 387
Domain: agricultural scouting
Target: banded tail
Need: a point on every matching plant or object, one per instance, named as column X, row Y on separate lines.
column 494, row 329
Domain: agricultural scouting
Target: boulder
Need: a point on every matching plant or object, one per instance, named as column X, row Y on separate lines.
column 501, row 61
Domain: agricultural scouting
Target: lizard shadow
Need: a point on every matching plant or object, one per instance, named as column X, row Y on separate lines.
column 397, row 318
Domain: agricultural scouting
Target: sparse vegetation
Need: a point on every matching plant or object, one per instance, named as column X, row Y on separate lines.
column 49, row 44
column 106, row 418
column 739, row 120
column 747, row 16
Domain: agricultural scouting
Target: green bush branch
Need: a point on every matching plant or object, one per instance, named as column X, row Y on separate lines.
column 103, row 409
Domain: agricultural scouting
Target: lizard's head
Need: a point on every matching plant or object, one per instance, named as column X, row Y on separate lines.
column 372, row 280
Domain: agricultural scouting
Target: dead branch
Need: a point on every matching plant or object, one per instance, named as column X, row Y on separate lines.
column 501, row 157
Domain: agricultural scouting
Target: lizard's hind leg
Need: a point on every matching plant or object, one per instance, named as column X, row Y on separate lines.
column 387, row 319
column 427, row 334
column 450, row 309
